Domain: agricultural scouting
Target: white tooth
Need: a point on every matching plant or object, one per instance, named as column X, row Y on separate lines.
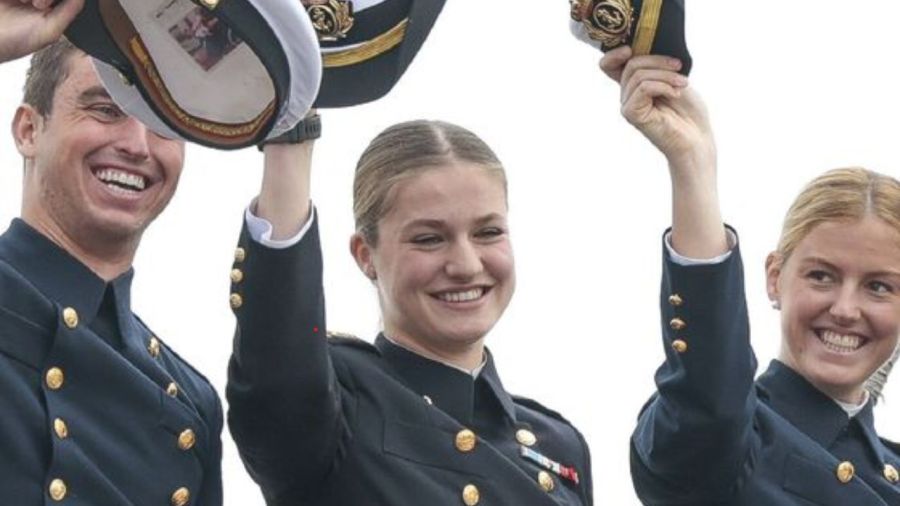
column 119, row 189
column 112, row 175
column 841, row 342
column 465, row 296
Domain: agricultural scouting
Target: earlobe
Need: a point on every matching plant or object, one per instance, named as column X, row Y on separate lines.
column 362, row 253
column 25, row 126
column 773, row 273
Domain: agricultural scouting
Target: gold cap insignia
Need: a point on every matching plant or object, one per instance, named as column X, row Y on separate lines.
column 608, row 21
column 332, row 19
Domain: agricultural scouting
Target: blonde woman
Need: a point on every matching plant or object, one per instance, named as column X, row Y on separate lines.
column 420, row 417
column 802, row 433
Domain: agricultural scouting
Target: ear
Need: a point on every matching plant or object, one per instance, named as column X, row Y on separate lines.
column 774, row 263
column 26, row 125
column 362, row 253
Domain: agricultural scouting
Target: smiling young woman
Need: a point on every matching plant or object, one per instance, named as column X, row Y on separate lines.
column 803, row 432
column 421, row 416
column 836, row 278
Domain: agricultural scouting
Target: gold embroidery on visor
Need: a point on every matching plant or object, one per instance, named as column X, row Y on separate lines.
column 607, row 21
column 367, row 50
column 645, row 33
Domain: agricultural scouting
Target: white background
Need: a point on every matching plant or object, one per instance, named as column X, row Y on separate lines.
column 794, row 88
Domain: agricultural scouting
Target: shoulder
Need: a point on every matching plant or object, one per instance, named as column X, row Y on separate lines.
column 350, row 345
column 348, row 350
column 892, row 446
column 535, row 408
column 536, row 414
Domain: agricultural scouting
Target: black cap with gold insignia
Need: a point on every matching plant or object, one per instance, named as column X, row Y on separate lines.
column 367, row 45
column 648, row 26
column 226, row 74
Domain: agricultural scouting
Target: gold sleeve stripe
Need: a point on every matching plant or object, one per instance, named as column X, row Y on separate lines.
column 367, row 50
column 647, row 25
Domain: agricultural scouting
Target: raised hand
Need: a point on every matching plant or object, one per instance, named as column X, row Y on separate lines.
column 28, row 25
column 656, row 99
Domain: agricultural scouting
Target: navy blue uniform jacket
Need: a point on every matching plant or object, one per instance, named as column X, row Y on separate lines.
column 340, row 422
column 93, row 409
column 713, row 436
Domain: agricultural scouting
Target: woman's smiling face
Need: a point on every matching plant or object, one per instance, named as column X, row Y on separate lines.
column 443, row 263
column 839, row 293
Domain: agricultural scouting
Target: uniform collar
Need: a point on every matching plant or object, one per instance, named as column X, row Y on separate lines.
column 62, row 278
column 808, row 408
column 449, row 388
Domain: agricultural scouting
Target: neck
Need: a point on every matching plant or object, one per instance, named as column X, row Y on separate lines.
column 467, row 356
column 107, row 258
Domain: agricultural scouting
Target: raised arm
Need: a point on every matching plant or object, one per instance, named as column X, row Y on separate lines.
column 285, row 402
column 694, row 441
column 657, row 100
column 28, row 25
column 284, row 199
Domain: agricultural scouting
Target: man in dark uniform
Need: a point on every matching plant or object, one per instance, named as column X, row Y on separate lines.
column 94, row 409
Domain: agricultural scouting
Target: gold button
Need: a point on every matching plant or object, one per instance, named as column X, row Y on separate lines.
column 237, row 275
column 55, row 378
column 677, row 324
column 845, row 472
column 186, row 439
column 181, row 497
column 70, row 317
column 471, row 495
column 57, row 489
column 890, row 473
column 172, row 389
column 465, row 440
column 546, row 481
column 679, row 345
column 61, row 429
column 675, row 300
column 153, row 347
column 210, row 4
column 236, row 300
column 240, row 255
column 526, row 437
column 428, row 400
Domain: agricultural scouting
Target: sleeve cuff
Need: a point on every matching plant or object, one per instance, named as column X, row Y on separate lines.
column 683, row 260
column 261, row 229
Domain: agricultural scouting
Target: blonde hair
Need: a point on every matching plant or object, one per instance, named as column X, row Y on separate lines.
column 840, row 194
column 403, row 151
column 844, row 194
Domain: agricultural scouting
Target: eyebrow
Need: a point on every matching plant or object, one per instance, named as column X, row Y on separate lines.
column 433, row 223
column 92, row 93
column 822, row 261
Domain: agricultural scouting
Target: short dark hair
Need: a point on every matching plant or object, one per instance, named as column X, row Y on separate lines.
column 49, row 67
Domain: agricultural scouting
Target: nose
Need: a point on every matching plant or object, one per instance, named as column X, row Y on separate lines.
column 845, row 308
column 133, row 140
column 463, row 261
